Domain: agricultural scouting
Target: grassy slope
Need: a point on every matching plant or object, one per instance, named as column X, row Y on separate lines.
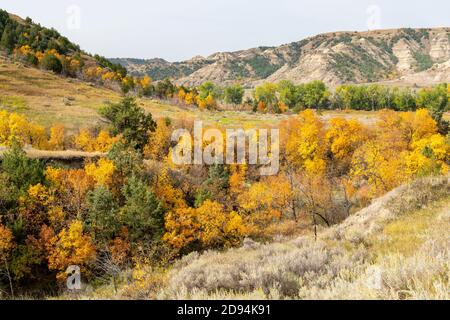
column 48, row 99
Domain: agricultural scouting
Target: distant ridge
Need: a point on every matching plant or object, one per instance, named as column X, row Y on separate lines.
column 409, row 56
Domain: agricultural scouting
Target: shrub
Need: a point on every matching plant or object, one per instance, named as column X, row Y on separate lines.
column 52, row 63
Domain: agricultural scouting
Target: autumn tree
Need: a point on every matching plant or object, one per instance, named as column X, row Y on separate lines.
column 102, row 172
column 6, row 247
column 57, row 136
column 344, row 138
column 262, row 205
column 305, row 143
column 70, row 187
column 208, row 226
column 159, row 141
column 69, row 247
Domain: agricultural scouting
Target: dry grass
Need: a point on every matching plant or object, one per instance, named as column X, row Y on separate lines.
column 58, row 155
column 48, row 99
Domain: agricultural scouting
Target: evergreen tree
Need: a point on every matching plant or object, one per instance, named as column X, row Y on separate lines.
column 142, row 213
column 8, row 40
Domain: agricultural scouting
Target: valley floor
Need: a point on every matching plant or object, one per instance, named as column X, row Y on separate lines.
column 48, row 99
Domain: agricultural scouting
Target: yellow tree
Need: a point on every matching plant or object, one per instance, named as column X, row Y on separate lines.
column 70, row 247
column 428, row 156
column 189, row 99
column 159, row 141
column 6, row 247
column 104, row 141
column 56, row 141
column 70, row 188
column 101, row 172
column 207, row 226
column 379, row 166
column 85, row 141
column 344, row 137
column 170, row 196
column 181, row 95
column 146, row 82
column 237, row 179
column 262, row 204
column 305, row 143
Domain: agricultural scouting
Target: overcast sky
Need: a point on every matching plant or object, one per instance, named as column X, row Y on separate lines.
column 180, row 29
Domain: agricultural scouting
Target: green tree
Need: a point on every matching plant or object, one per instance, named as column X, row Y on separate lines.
column 165, row 89
column 434, row 99
column 288, row 93
column 208, row 88
column 404, row 99
column 142, row 213
column 315, row 95
column 126, row 159
column 102, row 214
column 4, row 19
column 52, row 63
column 130, row 121
column 22, row 172
column 8, row 40
column 266, row 93
column 234, row 94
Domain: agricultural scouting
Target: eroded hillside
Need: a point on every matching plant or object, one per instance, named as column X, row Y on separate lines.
column 417, row 56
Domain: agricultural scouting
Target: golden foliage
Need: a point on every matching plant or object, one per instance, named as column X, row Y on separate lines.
column 209, row 225
column 306, row 145
column 101, row 172
column 56, row 141
column 16, row 128
column 266, row 200
column 70, row 247
column 344, row 137
column 6, row 243
column 102, row 143
column 159, row 141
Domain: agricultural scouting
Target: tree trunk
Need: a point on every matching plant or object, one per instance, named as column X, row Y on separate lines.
column 9, row 279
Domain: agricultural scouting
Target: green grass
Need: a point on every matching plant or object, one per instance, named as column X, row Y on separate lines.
column 13, row 103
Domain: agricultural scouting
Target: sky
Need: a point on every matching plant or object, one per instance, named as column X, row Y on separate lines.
column 176, row 30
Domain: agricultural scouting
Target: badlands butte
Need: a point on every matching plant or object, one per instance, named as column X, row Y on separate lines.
column 409, row 57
